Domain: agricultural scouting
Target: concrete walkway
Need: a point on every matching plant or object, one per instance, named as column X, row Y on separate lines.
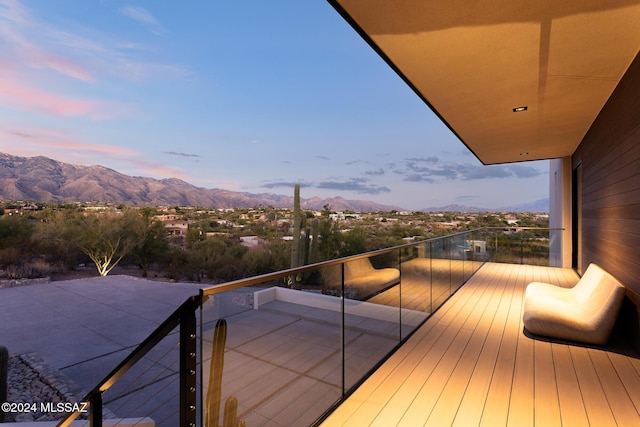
column 75, row 321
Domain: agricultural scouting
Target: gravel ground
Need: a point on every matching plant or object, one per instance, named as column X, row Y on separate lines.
column 37, row 389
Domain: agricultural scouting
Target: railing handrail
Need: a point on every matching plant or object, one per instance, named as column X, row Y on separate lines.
column 249, row 281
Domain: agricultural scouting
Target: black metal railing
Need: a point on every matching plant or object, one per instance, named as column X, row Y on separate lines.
column 184, row 318
column 288, row 347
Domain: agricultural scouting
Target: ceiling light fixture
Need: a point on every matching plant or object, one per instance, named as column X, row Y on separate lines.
column 520, row 109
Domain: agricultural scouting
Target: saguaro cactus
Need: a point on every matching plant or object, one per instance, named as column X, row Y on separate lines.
column 295, row 244
column 214, row 393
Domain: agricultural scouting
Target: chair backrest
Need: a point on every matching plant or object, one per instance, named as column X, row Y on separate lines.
column 597, row 290
column 357, row 268
column 332, row 276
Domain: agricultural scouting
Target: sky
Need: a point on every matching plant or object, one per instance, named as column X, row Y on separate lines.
column 250, row 96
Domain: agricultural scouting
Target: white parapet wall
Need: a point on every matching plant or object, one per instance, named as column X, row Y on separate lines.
column 332, row 303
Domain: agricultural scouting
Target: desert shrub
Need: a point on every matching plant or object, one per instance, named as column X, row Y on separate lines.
column 179, row 265
column 29, row 270
column 10, row 256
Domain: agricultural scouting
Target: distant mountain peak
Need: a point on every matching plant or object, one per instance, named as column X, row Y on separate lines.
column 541, row 205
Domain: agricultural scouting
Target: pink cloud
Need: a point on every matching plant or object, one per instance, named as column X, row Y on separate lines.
column 35, row 100
column 19, row 30
column 17, row 93
column 65, row 66
column 43, row 140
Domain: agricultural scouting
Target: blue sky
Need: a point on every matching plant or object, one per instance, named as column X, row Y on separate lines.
column 249, row 96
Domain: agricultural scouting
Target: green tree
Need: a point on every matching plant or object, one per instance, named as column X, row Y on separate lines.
column 330, row 238
column 273, row 256
column 15, row 230
column 49, row 238
column 354, row 242
column 218, row 258
column 151, row 243
column 104, row 237
column 15, row 239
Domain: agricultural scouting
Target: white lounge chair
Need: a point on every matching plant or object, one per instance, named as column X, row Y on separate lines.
column 585, row 313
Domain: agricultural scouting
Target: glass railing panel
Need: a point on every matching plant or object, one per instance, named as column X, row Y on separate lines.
column 468, row 256
column 518, row 245
column 477, row 253
column 372, row 323
column 491, row 238
column 415, row 281
column 458, row 252
column 440, row 271
column 275, row 348
column 535, row 246
column 503, row 246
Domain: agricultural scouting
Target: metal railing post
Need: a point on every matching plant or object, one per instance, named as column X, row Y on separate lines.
column 342, row 334
column 188, row 368
column 95, row 409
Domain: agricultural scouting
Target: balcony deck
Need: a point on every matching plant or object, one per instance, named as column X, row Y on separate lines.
column 472, row 364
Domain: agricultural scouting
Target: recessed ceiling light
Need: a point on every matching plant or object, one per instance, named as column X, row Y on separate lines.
column 519, row 109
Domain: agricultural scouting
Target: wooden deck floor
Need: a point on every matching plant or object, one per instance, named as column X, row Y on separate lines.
column 471, row 364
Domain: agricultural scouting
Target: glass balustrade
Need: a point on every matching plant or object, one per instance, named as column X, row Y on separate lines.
column 286, row 347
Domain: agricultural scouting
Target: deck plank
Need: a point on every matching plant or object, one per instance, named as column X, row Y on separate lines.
column 595, row 400
column 522, row 390
column 433, row 370
column 623, row 409
column 460, row 379
column 628, row 375
column 497, row 405
column 472, row 404
column 572, row 410
column 547, row 407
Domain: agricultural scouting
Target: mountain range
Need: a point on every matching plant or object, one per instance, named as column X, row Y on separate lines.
column 541, row 205
column 42, row 179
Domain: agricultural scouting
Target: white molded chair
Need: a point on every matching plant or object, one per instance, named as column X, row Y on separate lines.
column 585, row 313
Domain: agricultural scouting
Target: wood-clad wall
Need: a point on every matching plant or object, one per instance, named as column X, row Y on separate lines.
column 610, row 157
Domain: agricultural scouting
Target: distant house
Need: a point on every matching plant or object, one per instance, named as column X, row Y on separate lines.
column 478, row 246
column 176, row 228
column 250, row 241
column 169, row 217
column 446, row 225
